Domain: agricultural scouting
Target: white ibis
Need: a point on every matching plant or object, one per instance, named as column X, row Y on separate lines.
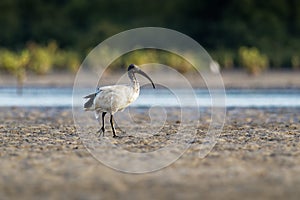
column 114, row 98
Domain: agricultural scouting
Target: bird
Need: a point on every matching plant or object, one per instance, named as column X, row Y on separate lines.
column 114, row 98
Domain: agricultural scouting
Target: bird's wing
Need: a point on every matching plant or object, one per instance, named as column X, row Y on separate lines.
column 91, row 98
column 113, row 98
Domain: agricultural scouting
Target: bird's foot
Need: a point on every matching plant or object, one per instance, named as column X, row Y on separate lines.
column 101, row 131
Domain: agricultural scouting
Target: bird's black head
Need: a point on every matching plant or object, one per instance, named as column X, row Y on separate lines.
column 131, row 66
column 132, row 69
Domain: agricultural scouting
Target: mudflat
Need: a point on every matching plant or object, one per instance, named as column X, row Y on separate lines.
column 257, row 156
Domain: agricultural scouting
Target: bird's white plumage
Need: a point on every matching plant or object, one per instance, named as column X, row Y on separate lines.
column 115, row 98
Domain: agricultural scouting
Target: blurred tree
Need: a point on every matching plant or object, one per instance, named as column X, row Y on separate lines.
column 271, row 26
column 9, row 23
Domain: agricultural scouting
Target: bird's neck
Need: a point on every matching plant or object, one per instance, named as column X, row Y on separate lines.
column 134, row 83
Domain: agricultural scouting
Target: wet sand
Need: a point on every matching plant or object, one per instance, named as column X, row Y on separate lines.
column 257, row 156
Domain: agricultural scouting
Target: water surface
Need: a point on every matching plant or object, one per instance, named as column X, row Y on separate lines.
column 56, row 97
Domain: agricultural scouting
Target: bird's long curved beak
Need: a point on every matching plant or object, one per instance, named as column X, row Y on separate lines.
column 145, row 75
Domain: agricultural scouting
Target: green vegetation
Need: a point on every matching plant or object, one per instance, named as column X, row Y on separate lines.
column 145, row 56
column 226, row 58
column 15, row 63
column 45, row 58
column 41, row 59
column 296, row 61
column 37, row 59
column 252, row 60
column 222, row 27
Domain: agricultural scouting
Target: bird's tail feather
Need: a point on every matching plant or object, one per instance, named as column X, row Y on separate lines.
column 90, row 102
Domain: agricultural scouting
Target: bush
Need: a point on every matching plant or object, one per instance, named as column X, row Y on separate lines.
column 175, row 61
column 45, row 58
column 225, row 57
column 41, row 58
column 295, row 60
column 144, row 56
column 37, row 59
column 66, row 60
column 15, row 64
column 252, row 60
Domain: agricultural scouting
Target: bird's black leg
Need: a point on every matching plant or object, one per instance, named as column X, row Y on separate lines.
column 102, row 128
column 112, row 126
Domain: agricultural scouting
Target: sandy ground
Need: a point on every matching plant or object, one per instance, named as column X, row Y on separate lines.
column 257, row 156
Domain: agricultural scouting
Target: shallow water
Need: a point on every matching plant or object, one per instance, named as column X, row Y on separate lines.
column 63, row 97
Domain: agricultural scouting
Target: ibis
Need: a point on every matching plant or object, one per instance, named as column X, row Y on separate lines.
column 114, row 98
